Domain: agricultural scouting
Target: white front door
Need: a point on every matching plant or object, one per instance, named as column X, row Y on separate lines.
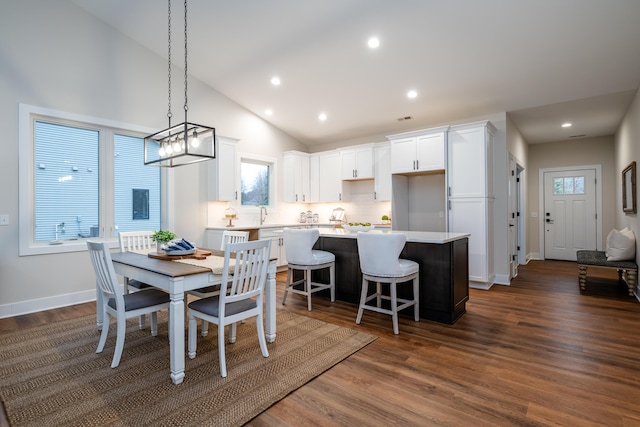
column 569, row 213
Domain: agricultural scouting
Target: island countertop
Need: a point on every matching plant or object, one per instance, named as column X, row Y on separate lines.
column 412, row 236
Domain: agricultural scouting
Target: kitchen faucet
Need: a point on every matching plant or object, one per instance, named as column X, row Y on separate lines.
column 263, row 209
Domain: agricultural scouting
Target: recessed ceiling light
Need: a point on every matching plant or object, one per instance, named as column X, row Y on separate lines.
column 412, row 94
column 322, row 117
column 268, row 112
column 275, row 81
column 373, row 42
column 566, row 125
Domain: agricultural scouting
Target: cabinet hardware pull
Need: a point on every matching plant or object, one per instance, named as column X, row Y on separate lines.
column 236, row 194
column 417, row 164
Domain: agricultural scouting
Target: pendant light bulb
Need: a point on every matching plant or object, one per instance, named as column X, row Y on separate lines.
column 195, row 142
column 176, row 146
column 162, row 152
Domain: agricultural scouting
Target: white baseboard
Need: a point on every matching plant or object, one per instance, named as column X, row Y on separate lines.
column 480, row 285
column 41, row 304
column 534, row 255
column 502, row 279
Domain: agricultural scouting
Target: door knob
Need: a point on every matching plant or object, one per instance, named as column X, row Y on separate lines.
column 549, row 221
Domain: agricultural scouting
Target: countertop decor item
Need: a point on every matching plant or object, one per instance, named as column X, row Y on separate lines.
column 231, row 215
column 354, row 227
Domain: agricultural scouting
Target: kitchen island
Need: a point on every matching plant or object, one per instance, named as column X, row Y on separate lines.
column 444, row 269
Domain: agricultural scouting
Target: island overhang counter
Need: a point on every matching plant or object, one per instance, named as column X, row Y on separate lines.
column 444, row 269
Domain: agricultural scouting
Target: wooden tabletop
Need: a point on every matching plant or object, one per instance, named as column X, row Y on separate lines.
column 167, row 268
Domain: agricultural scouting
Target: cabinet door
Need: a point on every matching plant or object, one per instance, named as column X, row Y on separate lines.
column 430, row 152
column 469, row 215
column 364, row 163
column 330, row 179
column 382, row 176
column 314, row 178
column 222, row 173
column 467, row 163
column 295, row 169
column 403, row 155
column 348, row 162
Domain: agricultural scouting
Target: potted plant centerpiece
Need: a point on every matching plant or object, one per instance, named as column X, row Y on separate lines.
column 162, row 237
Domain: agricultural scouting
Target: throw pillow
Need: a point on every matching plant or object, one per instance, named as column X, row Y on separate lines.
column 621, row 245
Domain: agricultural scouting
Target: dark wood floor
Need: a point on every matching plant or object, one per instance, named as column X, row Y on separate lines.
column 535, row 353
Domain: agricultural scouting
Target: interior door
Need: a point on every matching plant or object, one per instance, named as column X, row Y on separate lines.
column 569, row 213
column 513, row 218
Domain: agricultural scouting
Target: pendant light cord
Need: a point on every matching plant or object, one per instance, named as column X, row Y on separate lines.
column 169, row 114
column 185, row 61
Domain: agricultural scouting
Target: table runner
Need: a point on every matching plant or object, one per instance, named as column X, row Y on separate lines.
column 214, row 262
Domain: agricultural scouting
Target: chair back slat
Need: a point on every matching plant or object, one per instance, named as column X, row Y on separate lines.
column 249, row 273
column 230, row 236
column 106, row 279
column 135, row 240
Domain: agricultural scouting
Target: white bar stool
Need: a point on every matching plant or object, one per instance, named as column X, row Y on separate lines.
column 380, row 263
column 298, row 245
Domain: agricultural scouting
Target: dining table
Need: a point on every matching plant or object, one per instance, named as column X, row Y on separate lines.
column 176, row 278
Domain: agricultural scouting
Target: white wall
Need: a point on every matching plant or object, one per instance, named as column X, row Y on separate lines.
column 55, row 55
column 627, row 150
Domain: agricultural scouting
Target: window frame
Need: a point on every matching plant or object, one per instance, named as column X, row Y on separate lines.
column 273, row 193
column 27, row 116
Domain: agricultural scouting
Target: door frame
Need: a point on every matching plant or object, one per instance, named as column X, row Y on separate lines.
column 541, row 203
column 517, row 200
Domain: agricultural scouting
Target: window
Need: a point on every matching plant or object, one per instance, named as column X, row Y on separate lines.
column 81, row 177
column 568, row 185
column 255, row 182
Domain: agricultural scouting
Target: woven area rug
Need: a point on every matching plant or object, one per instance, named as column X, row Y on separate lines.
column 51, row 376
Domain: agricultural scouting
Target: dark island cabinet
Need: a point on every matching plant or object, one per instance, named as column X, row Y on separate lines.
column 444, row 275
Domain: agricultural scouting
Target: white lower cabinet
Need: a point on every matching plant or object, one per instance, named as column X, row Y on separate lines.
column 277, row 244
column 474, row 215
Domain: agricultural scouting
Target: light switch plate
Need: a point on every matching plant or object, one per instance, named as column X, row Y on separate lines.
column 4, row 219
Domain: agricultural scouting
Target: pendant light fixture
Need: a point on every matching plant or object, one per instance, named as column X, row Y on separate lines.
column 185, row 143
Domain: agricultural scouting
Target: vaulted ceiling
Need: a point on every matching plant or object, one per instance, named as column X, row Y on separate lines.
column 544, row 62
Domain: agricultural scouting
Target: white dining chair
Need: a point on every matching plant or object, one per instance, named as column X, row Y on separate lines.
column 298, row 245
column 380, row 262
column 136, row 241
column 228, row 236
column 240, row 297
column 119, row 305
column 232, row 236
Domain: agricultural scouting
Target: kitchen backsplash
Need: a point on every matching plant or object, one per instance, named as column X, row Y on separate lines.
column 360, row 207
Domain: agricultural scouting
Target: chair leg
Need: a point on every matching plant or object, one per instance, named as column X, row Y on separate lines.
column 104, row 333
column 286, row 285
column 332, row 281
column 192, row 340
column 154, row 324
column 232, row 333
column 394, row 306
column 307, row 287
column 363, row 299
column 142, row 322
column 416, row 296
column 261, row 338
column 221, row 357
column 204, row 327
column 378, row 294
column 122, row 330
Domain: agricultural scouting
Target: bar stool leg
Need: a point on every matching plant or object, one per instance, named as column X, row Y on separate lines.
column 416, row 296
column 363, row 298
column 394, row 306
column 307, row 286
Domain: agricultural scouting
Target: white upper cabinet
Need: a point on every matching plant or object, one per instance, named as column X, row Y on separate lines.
column 314, row 178
column 330, row 181
column 382, row 172
column 357, row 162
column 295, row 166
column 222, row 172
column 470, row 159
column 419, row 151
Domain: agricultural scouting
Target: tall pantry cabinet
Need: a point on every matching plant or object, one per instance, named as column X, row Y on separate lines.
column 471, row 195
